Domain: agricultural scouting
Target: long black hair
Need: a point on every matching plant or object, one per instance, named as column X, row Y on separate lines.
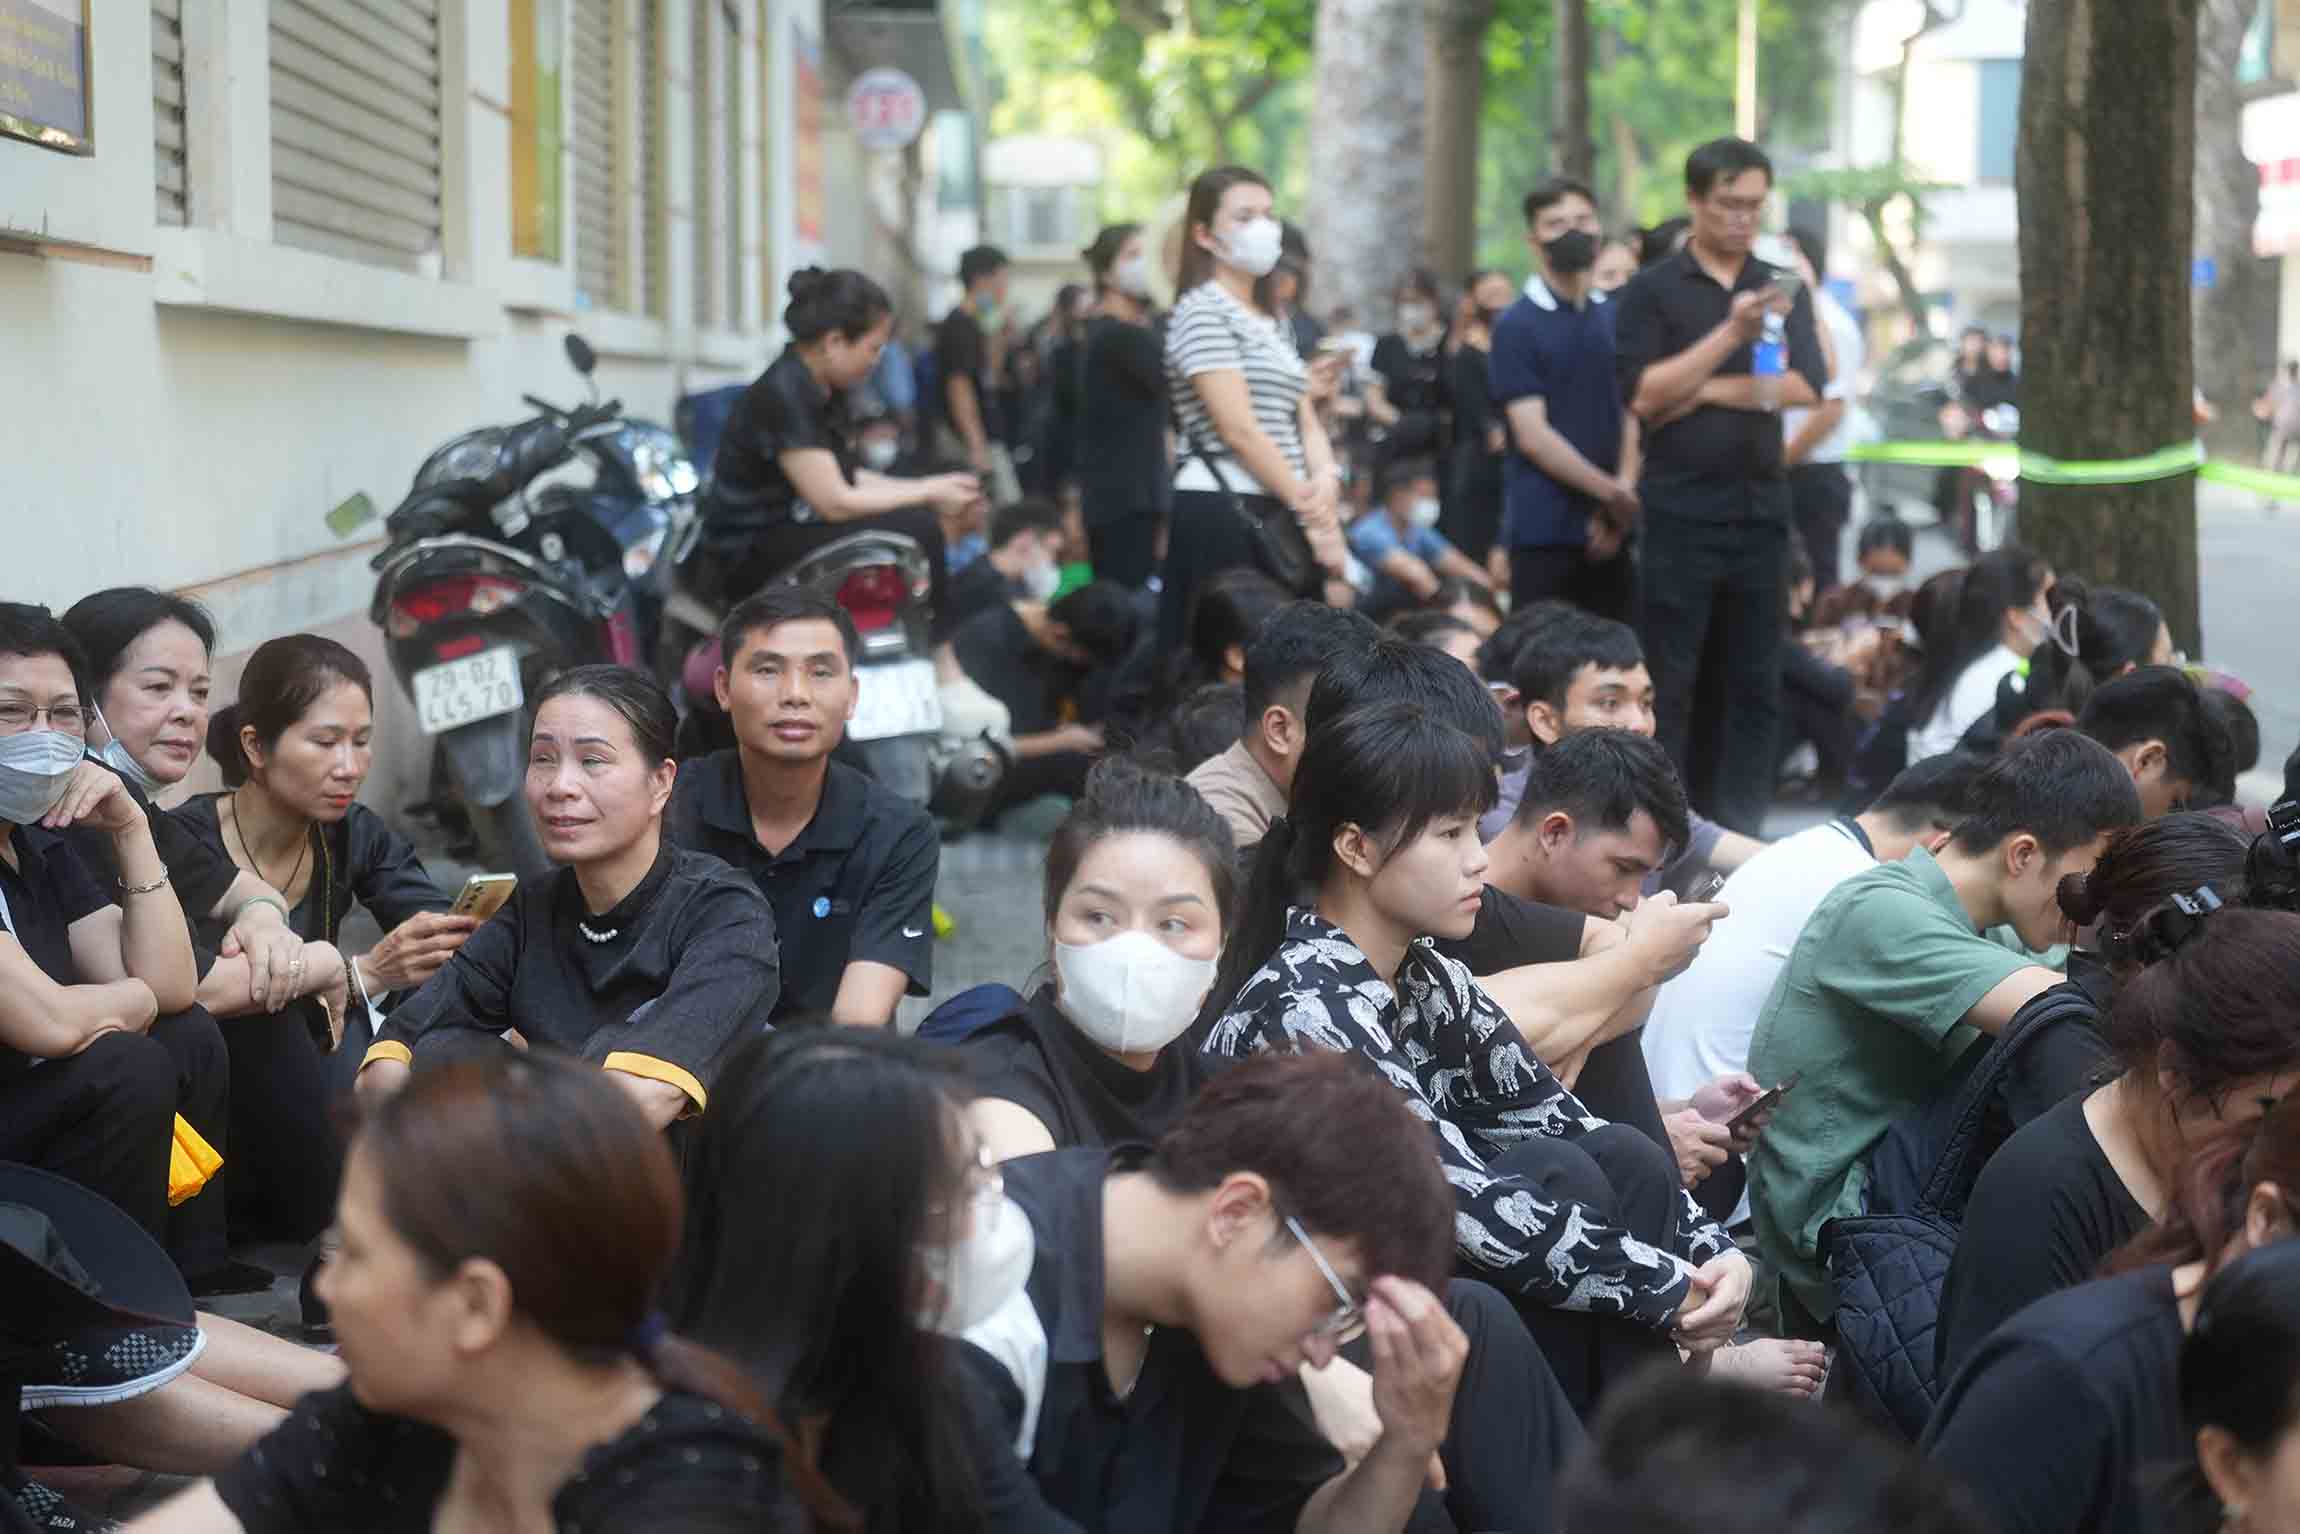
column 278, row 686
column 2240, row 1365
column 1997, row 582
column 816, row 1179
column 2114, row 629
column 1388, row 768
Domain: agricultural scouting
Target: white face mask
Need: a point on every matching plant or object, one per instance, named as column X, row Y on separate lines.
column 1885, row 587
column 1131, row 993
column 983, row 1272
column 116, row 756
column 880, row 453
column 1042, row 580
column 1132, row 276
column 1416, row 316
column 1424, row 512
column 34, row 767
column 1253, row 247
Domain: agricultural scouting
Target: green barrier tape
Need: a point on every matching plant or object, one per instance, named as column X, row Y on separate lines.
column 2183, row 458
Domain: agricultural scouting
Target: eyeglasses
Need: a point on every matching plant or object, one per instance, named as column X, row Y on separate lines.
column 1345, row 1315
column 68, row 717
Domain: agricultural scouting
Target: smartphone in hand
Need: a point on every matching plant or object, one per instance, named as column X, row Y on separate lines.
column 1764, row 1102
column 483, row 895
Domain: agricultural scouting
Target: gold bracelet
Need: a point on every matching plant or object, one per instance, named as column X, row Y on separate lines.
column 126, row 888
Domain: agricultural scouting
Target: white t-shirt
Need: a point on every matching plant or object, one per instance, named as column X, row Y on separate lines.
column 1972, row 694
column 1702, row 1020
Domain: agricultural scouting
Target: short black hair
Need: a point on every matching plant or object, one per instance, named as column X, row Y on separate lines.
column 1454, row 590
column 1292, row 644
column 2162, row 703
column 1887, row 532
column 1102, row 619
column 32, row 631
column 1406, row 470
column 1394, row 670
column 2060, row 786
column 2243, row 727
column 1937, row 788
column 1549, row 193
column 1553, row 655
column 1602, row 778
column 108, row 622
column 1497, row 657
column 778, row 605
column 1031, row 514
column 1721, row 159
column 1421, row 625
column 980, row 262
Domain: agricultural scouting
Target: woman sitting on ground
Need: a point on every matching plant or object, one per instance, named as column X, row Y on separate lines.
column 507, row 1225
column 843, row 1228
column 2237, row 1370
column 2201, row 1035
column 295, row 750
column 642, row 958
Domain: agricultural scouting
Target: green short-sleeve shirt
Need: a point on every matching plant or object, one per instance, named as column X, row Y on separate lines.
column 1870, row 1009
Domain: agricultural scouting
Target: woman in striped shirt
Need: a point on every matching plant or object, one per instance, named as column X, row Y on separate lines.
column 1245, row 403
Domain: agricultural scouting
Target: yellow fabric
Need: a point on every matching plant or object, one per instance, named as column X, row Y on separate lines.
column 191, row 1162
column 652, row 1069
column 386, row 1049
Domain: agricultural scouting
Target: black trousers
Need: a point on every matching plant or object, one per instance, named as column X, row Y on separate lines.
column 776, row 549
column 198, row 1228
column 1821, row 500
column 1125, row 548
column 103, row 1118
column 287, row 1156
column 1616, row 1086
column 1204, row 537
column 1607, row 588
column 1473, row 500
column 1513, row 1432
column 1619, row 1170
column 1714, row 594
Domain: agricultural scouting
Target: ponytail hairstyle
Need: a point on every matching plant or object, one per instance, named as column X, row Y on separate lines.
column 1998, row 582
column 1388, row 768
column 845, row 301
column 280, row 684
column 1123, row 796
column 1101, row 257
column 1205, row 205
column 2141, row 869
column 633, row 695
column 2113, row 630
column 538, row 1164
column 2214, row 1187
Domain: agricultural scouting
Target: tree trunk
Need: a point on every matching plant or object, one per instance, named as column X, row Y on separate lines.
column 2105, row 161
column 1456, row 88
column 2237, row 313
column 1620, row 209
column 1569, row 127
column 1364, row 212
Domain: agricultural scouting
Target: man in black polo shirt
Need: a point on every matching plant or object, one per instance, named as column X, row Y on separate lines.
column 966, row 355
column 848, row 866
column 100, row 1043
column 1690, row 334
column 1181, row 1289
column 1569, row 480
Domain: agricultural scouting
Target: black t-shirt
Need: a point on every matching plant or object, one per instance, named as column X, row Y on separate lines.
column 1183, row 1451
column 663, row 986
column 200, row 875
column 1472, row 387
column 997, row 654
column 48, row 890
column 356, row 861
column 1121, row 458
column 335, row 1465
column 2047, row 1210
column 2062, row 1414
column 961, row 350
column 1415, row 382
column 1511, row 932
column 783, row 411
column 856, row 885
column 978, row 588
column 1036, row 1059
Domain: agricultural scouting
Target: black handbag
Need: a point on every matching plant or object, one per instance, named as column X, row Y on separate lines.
column 1281, row 548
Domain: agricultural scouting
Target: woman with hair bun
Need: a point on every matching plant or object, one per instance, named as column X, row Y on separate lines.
column 787, row 479
column 2201, row 1035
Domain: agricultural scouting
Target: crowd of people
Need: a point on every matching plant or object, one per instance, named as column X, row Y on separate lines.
column 1439, row 1107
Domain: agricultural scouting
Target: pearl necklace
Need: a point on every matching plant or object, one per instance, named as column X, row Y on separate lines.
column 607, row 936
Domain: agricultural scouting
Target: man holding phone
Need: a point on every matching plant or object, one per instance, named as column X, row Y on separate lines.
column 1706, row 375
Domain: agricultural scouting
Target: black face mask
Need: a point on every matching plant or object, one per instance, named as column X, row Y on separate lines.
column 1572, row 252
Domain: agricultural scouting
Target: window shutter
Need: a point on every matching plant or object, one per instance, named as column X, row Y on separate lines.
column 355, row 128
column 706, row 25
column 731, row 164
column 168, row 108
column 598, row 253
column 648, row 185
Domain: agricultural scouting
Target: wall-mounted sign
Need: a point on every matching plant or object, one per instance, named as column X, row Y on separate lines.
column 887, row 109
column 44, row 74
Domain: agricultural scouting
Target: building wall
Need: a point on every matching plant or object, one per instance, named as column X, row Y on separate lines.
column 188, row 403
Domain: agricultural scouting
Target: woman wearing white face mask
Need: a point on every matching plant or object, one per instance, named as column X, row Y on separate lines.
column 1256, row 482
column 1124, row 482
column 2001, row 618
column 843, row 1224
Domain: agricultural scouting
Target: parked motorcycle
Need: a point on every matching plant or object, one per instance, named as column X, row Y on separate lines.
column 493, row 582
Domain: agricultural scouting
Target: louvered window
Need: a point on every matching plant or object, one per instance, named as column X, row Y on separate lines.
column 355, row 129
column 168, row 108
column 731, row 169
column 645, row 192
column 599, row 247
column 706, row 181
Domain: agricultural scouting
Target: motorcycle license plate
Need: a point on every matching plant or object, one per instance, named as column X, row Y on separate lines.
column 899, row 699
column 465, row 691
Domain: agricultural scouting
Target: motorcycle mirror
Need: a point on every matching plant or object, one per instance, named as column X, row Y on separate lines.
column 579, row 353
